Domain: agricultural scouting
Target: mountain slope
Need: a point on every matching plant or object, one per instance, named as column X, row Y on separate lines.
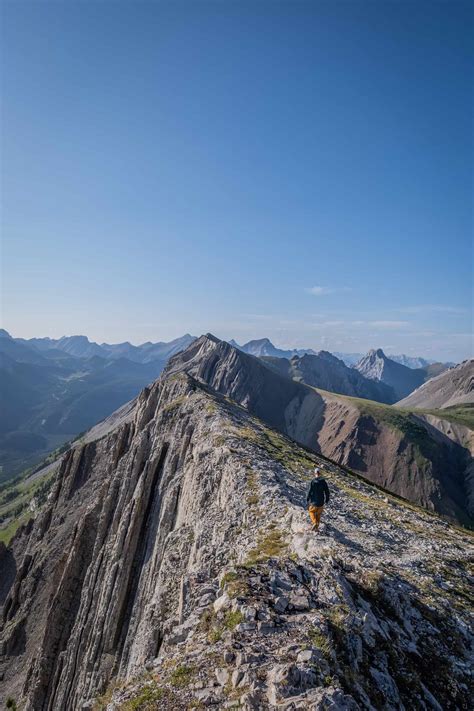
column 155, row 553
column 376, row 366
column 409, row 454
column 18, row 351
column 397, row 450
column 327, row 372
column 45, row 404
column 452, row 387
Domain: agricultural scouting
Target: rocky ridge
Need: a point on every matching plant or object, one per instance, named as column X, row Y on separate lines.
column 174, row 566
column 397, row 450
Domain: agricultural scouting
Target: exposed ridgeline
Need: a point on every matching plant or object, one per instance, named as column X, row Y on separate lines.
column 174, row 558
column 453, row 387
column 397, row 450
column 377, row 366
column 323, row 370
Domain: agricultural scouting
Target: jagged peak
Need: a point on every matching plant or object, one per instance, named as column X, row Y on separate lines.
column 375, row 353
column 210, row 337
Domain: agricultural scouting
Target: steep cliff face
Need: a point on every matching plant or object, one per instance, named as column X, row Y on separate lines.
column 396, row 450
column 174, row 565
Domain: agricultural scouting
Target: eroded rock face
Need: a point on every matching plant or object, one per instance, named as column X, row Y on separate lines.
column 453, row 387
column 178, row 546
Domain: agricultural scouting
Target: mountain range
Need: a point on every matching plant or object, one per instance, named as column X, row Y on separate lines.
column 165, row 560
column 53, row 389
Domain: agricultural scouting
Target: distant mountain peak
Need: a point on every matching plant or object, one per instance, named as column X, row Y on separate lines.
column 4, row 334
column 375, row 352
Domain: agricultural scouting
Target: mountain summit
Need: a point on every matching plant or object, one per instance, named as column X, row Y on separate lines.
column 403, row 380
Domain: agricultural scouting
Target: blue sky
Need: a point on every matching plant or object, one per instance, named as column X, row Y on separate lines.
column 297, row 170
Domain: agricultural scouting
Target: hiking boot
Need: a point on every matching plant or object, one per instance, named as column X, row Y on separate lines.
column 315, row 526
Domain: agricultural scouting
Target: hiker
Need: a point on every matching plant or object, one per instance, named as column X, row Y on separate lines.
column 318, row 495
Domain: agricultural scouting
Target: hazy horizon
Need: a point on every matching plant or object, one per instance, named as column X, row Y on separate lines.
column 282, row 345
column 300, row 171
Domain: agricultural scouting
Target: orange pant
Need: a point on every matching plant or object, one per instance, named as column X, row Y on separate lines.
column 315, row 514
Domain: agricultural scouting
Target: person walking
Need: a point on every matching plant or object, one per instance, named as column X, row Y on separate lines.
column 318, row 496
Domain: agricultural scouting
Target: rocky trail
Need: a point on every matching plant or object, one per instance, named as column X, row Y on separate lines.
column 174, row 567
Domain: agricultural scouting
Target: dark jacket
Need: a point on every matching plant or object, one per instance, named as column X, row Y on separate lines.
column 318, row 493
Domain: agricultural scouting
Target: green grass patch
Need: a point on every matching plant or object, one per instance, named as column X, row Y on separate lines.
column 232, row 618
column 271, row 545
column 146, row 699
column 7, row 533
column 229, row 577
column 174, row 404
column 320, row 641
column 457, row 414
column 181, row 676
column 15, row 503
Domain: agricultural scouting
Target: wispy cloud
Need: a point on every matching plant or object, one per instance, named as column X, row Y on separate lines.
column 432, row 308
column 324, row 290
column 388, row 324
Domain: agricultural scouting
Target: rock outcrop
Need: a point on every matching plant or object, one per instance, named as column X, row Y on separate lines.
column 173, row 567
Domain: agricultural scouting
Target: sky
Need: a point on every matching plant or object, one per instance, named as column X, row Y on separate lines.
column 296, row 170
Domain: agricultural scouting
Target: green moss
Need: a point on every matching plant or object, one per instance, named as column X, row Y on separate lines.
column 209, row 624
column 247, row 433
column 320, row 641
column 271, row 545
column 104, row 699
column 215, row 634
column 181, row 676
column 146, row 699
column 229, row 577
column 232, row 618
column 174, row 404
column 7, row 533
